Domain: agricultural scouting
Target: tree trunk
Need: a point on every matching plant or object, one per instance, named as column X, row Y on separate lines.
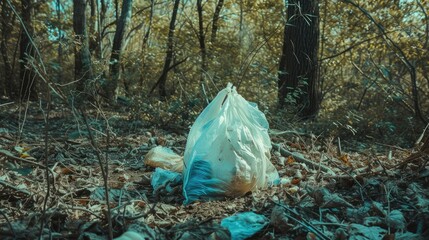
column 240, row 27
column 149, row 27
column 145, row 41
column 201, row 40
column 92, row 27
column 298, row 68
column 215, row 21
column 83, row 66
column 169, row 54
column 100, row 32
column 26, row 54
column 60, row 46
column 8, row 81
column 115, row 58
column 117, row 10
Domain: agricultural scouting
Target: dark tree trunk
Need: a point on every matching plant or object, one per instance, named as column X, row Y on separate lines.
column 26, row 54
column 298, row 68
column 115, row 58
column 8, row 82
column 169, row 54
column 202, row 42
column 149, row 27
column 92, row 24
column 100, row 31
column 83, row 66
column 215, row 22
column 240, row 26
column 60, row 46
column 145, row 42
column 117, row 10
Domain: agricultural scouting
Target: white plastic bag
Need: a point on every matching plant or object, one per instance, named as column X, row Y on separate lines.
column 228, row 150
column 165, row 158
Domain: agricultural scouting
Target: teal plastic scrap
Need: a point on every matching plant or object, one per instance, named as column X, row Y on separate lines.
column 164, row 179
column 244, row 225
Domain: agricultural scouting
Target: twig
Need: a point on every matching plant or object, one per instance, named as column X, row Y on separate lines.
column 401, row 55
column 422, row 8
column 79, row 209
column 274, row 132
column 9, row 224
column 124, row 205
column 7, row 137
column 300, row 220
column 339, row 150
column 330, row 224
column 392, row 146
column 104, row 173
column 388, row 194
column 106, row 157
column 47, row 169
column 5, row 104
column 351, row 176
column 151, row 210
column 382, row 166
column 167, row 70
column 287, row 153
column 9, row 155
column 8, row 185
column 422, row 135
column 353, row 46
column 27, row 33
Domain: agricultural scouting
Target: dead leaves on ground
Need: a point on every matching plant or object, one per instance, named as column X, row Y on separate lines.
column 367, row 198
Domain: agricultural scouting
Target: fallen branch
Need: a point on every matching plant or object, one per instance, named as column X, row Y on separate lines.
column 5, row 104
column 104, row 166
column 274, row 132
column 75, row 208
column 9, row 155
column 298, row 158
column 415, row 157
column 298, row 218
column 143, row 215
column 9, row 224
column 8, row 185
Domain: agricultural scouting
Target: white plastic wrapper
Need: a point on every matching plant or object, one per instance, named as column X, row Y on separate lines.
column 228, row 150
column 164, row 158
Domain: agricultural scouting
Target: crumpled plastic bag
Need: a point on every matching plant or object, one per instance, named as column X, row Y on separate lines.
column 244, row 225
column 228, row 150
column 165, row 158
column 165, row 179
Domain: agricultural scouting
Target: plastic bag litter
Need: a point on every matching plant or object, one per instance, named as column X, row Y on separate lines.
column 165, row 158
column 165, row 179
column 228, row 150
column 244, row 225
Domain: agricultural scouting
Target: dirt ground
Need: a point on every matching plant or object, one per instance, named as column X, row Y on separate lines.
column 324, row 192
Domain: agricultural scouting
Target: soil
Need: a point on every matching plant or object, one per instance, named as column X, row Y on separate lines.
column 323, row 192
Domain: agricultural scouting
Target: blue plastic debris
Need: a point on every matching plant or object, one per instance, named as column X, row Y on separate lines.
column 244, row 225
column 165, row 179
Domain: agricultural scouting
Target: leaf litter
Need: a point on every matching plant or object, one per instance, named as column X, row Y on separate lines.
column 323, row 192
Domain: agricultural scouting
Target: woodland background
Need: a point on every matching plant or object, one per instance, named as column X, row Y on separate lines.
column 166, row 59
column 89, row 87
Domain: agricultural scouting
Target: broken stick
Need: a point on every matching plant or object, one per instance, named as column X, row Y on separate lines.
column 298, row 158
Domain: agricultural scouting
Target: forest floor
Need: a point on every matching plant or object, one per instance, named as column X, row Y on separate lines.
column 324, row 193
